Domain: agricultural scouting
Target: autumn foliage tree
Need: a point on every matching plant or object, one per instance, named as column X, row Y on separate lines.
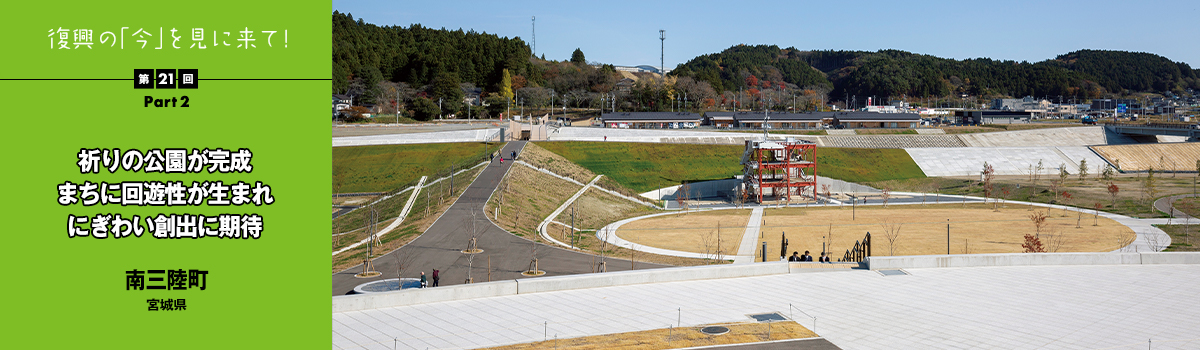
column 1033, row 244
column 1112, row 191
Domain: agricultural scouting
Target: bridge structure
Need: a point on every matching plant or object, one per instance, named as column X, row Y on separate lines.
column 1189, row 130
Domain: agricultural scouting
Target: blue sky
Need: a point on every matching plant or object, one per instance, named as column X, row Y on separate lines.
column 626, row 32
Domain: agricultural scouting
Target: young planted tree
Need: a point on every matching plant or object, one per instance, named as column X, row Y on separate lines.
column 1107, row 174
column 1113, row 189
column 1096, row 212
column 1062, row 174
column 1037, row 172
column 1004, row 196
column 1039, row 222
column 887, row 193
column 989, row 173
column 1054, row 242
column 1083, row 170
column 891, row 232
column 1033, row 244
column 1150, row 185
column 1066, row 197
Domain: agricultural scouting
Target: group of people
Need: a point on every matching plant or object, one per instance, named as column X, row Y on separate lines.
column 493, row 156
column 424, row 282
column 807, row 257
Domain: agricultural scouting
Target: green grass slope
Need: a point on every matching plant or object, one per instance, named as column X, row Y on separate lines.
column 648, row 166
column 864, row 164
column 388, row 167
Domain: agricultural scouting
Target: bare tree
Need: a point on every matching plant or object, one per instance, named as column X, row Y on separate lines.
column 1055, row 241
column 1062, row 174
column 1096, row 217
column 1123, row 241
column 1037, row 172
column 1154, row 241
column 1039, row 222
column 989, row 174
column 891, row 232
column 887, row 193
column 1150, row 185
column 1066, row 197
column 404, row 260
column 966, row 249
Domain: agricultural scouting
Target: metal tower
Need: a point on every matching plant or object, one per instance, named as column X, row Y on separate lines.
column 662, row 67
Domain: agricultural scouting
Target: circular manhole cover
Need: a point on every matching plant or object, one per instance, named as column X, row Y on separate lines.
column 714, row 330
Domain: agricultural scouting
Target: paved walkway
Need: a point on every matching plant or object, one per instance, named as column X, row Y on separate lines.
column 439, row 247
column 749, row 239
column 1165, row 205
column 1028, row 307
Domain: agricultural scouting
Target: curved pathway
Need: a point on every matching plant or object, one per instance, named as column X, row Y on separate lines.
column 1166, row 205
column 438, row 248
column 1149, row 238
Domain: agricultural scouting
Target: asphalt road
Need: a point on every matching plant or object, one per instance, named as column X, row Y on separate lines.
column 440, row 246
column 1164, row 205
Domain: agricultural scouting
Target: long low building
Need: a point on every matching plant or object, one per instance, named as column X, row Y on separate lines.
column 651, row 120
column 814, row 120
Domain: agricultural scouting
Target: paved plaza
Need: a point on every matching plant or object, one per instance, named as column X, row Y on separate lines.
column 1026, row 307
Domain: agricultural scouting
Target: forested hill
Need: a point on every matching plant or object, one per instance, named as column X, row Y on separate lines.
column 1084, row 74
column 417, row 55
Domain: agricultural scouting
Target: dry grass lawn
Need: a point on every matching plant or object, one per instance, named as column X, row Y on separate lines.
column 671, row 339
column 976, row 229
column 533, row 154
column 685, row 232
column 529, row 196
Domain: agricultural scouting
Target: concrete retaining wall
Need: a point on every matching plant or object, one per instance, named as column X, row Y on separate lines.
column 360, row 302
column 1030, row 259
column 624, row 278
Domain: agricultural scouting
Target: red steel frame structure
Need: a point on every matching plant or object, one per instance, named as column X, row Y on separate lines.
column 787, row 164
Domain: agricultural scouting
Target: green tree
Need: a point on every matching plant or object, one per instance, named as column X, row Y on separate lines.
column 496, row 105
column 577, row 57
column 447, row 87
column 424, row 109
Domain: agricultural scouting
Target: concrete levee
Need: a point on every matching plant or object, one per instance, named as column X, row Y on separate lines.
column 969, row 161
column 1070, row 136
column 893, row 141
column 360, row 302
column 1029, row 259
column 1160, row 156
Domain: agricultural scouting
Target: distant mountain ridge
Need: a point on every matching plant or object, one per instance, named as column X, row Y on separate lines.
column 895, row 73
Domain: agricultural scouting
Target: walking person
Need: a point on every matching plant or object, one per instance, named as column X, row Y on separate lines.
column 435, row 276
column 422, row 279
column 514, row 155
